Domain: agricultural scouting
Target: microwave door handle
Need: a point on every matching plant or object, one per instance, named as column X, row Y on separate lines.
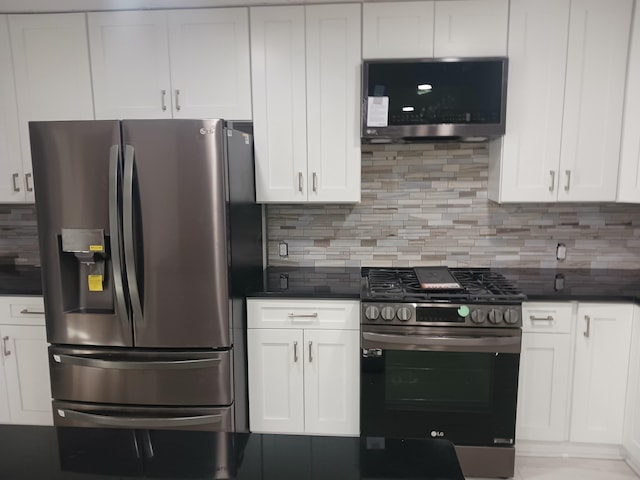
column 509, row 344
column 115, row 234
column 137, row 422
column 129, row 245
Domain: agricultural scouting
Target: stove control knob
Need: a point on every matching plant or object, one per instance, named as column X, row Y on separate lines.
column 404, row 314
column 372, row 312
column 495, row 315
column 388, row 313
column 511, row 316
column 478, row 316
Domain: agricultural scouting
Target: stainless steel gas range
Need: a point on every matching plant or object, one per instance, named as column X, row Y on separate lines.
column 440, row 358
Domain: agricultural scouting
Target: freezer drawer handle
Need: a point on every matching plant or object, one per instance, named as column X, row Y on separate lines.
column 26, row 311
column 127, row 365
column 139, row 422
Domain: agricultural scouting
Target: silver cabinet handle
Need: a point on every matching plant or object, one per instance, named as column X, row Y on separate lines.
column 163, row 95
column 302, row 315
column 315, row 182
column 568, row 185
column 548, row 318
column 300, row 181
column 26, row 311
column 587, row 332
column 27, row 177
column 553, row 180
column 138, row 422
column 5, row 346
column 177, row 99
column 295, row 352
column 16, row 188
column 310, row 356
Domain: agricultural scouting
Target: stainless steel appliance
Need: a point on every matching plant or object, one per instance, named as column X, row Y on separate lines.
column 443, row 363
column 435, row 98
column 149, row 233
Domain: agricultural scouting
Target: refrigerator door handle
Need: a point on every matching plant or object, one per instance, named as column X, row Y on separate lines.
column 114, row 229
column 138, row 422
column 82, row 361
column 129, row 245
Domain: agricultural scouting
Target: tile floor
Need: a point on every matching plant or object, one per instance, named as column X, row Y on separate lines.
column 539, row 468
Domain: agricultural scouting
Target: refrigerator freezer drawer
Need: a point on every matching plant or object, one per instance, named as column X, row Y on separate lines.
column 75, row 414
column 119, row 376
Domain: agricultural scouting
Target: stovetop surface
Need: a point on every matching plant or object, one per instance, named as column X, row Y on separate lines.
column 479, row 285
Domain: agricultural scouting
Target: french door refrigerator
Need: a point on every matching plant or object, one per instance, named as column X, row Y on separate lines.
column 149, row 237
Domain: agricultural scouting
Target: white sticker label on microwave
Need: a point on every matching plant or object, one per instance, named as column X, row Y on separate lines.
column 377, row 111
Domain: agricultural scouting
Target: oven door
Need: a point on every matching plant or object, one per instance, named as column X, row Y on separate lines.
column 455, row 383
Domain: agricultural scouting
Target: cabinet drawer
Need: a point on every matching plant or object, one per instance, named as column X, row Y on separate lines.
column 317, row 314
column 547, row 317
column 22, row 311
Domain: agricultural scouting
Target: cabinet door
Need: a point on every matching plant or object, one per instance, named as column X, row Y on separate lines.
column 53, row 78
column 333, row 89
column 629, row 179
column 275, row 365
column 27, row 374
column 210, row 63
column 538, row 35
column 279, row 103
column 594, row 94
column 332, row 382
column 600, row 377
column 12, row 188
column 544, row 387
column 631, row 434
column 130, row 64
column 397, row 29
column 471, row 28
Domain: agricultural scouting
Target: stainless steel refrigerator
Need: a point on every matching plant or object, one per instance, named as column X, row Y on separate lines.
column 149, row 238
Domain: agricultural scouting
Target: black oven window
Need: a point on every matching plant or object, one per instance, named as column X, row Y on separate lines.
column 439, row 381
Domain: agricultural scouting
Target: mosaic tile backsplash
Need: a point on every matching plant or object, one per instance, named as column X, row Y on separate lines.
column 18, row 235
column 427, row 205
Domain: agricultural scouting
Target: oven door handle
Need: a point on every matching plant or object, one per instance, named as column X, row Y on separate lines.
column 461, row 343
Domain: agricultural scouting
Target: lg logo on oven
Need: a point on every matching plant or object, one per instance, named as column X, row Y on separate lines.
column 436, row 434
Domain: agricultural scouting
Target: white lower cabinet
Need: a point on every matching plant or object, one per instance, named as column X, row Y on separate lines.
column 631, row 431
column 25, row 390
column 303, row 376
column 573, row 372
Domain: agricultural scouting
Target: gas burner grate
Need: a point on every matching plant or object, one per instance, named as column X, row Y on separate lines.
column 401, row 284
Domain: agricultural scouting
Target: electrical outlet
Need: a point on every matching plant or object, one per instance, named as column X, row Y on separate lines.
column 561, row 252
column 283, row 249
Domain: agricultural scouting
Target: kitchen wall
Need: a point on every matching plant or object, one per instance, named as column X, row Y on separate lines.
column 427, row 205
column 18, row 235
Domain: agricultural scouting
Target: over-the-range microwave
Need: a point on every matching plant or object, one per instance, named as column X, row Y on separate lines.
column 433, row 99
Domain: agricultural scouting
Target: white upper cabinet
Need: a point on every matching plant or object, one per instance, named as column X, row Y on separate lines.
column 306, row 84
column 52, row 73
column 471, row 28
column 629, row 179
column 171, row 64
column 12, row 187
column 567, row 68
column 210, row 64
column 130, row 64
column 397, row 30
column 594, row 97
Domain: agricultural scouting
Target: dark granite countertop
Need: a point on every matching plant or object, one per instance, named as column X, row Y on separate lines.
column 598, row 285
column 20, row 280
column 57, row 453
column 310, row 282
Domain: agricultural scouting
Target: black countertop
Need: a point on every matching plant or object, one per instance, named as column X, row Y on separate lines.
column 56, row 453
column 20, row 280
column 310, row 282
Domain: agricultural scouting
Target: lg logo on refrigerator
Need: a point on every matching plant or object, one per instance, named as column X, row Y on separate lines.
column 435, row 434
column 207, row 131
